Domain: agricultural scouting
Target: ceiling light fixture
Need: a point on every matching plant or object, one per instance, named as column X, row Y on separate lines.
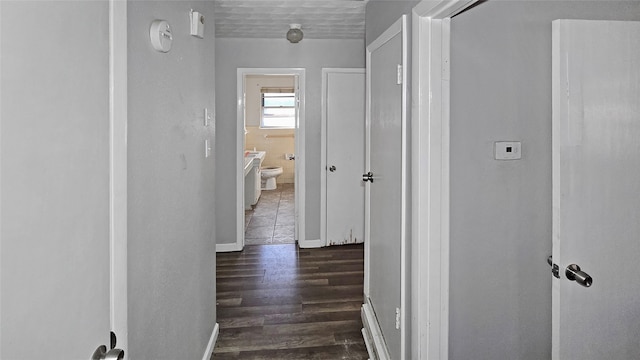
column 294, row 35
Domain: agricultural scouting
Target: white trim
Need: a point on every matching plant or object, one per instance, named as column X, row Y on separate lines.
column 376, row 347
column 212, row 342
column 443, row 9
column 430, row 177
column 308, row 244
column 1, row 184
column 399, row 27
column 299, row 74
column 367, row 164
column 368, row 342
column 228, row 247
column 118, row 172
column 323, row 157
column 405, row 264
column 323, row 145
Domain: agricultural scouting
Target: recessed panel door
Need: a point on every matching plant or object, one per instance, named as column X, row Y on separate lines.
column 596, row 190
column 345, row 116
column 386, row 191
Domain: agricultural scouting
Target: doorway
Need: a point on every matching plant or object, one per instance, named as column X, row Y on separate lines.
column 276, row 214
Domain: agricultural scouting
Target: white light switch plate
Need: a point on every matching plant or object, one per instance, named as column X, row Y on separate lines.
column 508, row 150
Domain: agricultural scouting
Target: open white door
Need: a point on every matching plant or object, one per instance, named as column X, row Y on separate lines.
column 385, row 240
column 596, row 189
column 54, row 166
column 343, row 128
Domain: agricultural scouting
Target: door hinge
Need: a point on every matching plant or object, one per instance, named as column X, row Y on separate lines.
column 397, row 318
column 399, row 74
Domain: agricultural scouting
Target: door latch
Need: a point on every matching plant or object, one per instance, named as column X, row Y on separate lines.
column 555, row 269
column 573, row 273
column 367, row 177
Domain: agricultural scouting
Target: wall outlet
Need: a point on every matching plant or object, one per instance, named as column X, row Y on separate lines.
column 508, row 150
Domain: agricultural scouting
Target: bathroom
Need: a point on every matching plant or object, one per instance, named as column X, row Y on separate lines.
column 270, row 128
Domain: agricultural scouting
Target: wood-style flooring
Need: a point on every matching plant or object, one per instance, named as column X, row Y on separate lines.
column 283, row 302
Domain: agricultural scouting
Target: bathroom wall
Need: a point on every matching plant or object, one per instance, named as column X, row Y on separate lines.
column 501, row 215
column 310, row 54
column 276, row 142
column 172, row 299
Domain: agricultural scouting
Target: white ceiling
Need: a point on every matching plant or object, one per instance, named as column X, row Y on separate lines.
column 320, row 19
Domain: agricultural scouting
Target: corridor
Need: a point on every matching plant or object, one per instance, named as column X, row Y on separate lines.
column 282, row 302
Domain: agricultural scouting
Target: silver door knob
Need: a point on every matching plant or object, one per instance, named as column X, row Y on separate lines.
column 367, row 177
column 332, row 168
column 574, row 273
column 101, row 353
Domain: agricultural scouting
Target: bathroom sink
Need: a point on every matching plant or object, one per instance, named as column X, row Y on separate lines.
column 255, row 154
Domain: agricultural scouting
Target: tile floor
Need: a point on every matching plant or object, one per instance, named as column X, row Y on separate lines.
column 272, row 221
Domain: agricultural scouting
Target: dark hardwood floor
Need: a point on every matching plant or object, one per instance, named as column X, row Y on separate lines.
column 282, row 302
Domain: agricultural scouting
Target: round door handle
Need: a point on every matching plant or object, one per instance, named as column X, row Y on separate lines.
column 332, row 168
column 573, row 273
column 101, row 353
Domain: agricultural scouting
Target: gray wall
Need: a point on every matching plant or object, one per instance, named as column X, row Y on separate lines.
column 382, row 14
column 501, row 210
column 310, row 54
column 171, row 185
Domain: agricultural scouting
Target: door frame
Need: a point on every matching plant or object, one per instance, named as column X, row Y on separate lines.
column 323, row 146
column 299, row 73
column 118, row 172
column 430, row 138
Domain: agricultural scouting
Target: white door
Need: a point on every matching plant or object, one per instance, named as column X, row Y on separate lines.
column 54, row 166
column 386, row 195
column 345, row 116
column 596, row 189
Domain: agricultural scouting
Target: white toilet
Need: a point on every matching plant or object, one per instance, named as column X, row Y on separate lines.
column 269, row 175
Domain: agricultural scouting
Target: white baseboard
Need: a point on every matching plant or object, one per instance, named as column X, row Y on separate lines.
column 227, row 247
column 367, row 342
column 212, row 343
column 307, row 244
column 374, row 340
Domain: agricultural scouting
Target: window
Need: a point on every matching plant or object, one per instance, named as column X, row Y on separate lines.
column 278, row 109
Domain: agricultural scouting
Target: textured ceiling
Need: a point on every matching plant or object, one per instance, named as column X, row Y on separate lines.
column 320, row 19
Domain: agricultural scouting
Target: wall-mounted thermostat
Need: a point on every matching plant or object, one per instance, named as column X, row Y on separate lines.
column 197, row 24
column 508, row 150
column 160, row 34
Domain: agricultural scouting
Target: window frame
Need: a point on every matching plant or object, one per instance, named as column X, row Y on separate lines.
column 277, row 92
